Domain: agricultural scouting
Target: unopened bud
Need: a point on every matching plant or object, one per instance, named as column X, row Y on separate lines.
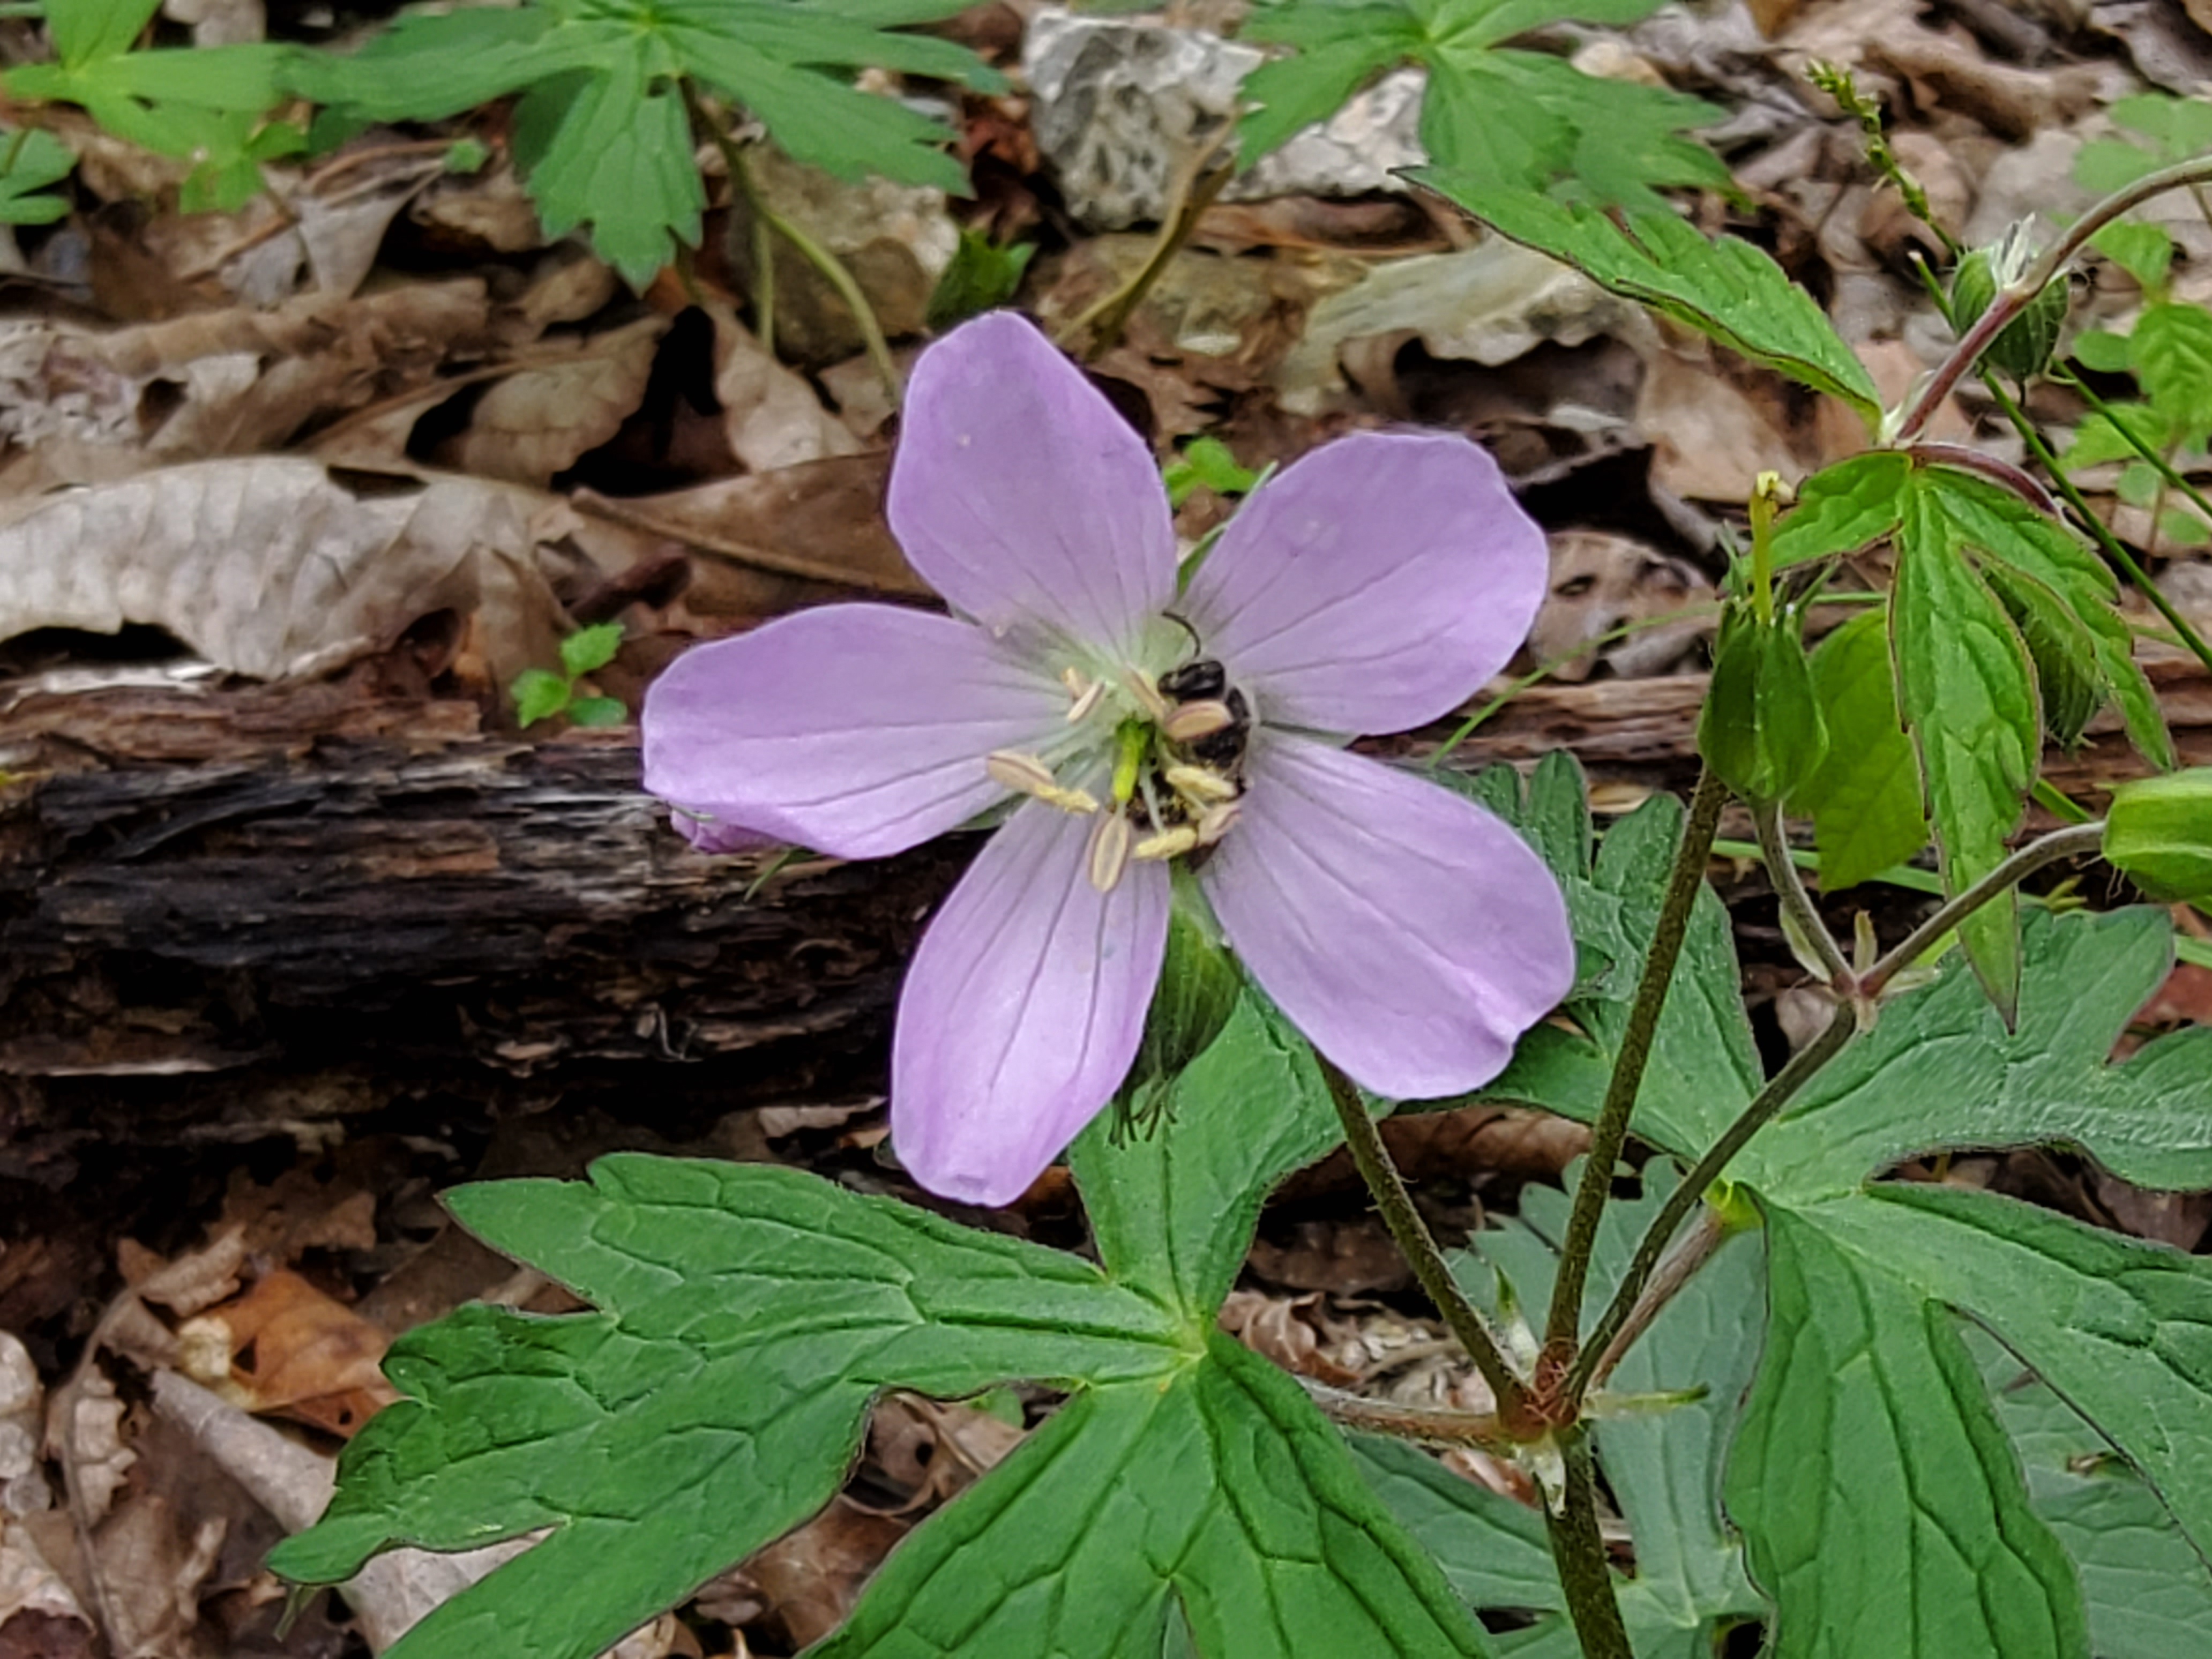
column 2024, row 345
column 2159, row 834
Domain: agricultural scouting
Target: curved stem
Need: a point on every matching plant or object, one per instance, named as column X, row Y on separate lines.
column 2075, row 841
column 833, row 269
column 1796, row 903
column 1709, row 1169
column 2010, row 301
column 1610, row 1132
column 1110, row 315
column 1579, row 1550
column 1416, row 1243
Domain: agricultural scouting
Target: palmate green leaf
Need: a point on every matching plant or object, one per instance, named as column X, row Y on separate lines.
column 1527, row 121
column 601, row 132
column 1865, row 799
column 749, row 1315
column 1919, row 1539
column 1966, row 689
column 1727, row 290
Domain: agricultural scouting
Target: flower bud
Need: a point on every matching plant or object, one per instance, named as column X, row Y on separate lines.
column 2159, row 834
column 2024, row 344
column 1761, row 730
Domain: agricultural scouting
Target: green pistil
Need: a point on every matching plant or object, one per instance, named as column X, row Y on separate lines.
column 1133, row 742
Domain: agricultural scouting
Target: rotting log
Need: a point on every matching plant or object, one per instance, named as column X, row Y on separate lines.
column 230, row 913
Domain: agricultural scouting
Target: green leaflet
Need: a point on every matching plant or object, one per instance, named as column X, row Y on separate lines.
column 2171, row 352
column 1729, row 289
column 1225, row 1491
column 33, row 160
column 1918, row 1539
column 602, row 134
column 1967, row 691
column 1527, row 121
column 1865, row 801
column 1844, row 507
column 2149, row 1595
column 2122, row 1329
column 747, row 1317
column 205, row 105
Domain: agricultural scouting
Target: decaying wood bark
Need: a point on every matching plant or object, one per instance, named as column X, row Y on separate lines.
column 222, row 911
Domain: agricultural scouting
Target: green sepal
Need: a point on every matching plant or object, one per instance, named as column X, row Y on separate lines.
column 1199, row 987
column 1762, row 729
column 2159, row 834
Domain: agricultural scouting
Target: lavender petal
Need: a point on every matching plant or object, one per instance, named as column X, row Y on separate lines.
column 1411, row 935
column 1373, row 586
column 1020, row 496
column 858, row 730
column 1022, row 1009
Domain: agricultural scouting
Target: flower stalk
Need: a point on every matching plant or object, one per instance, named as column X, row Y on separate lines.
column 1363, row 1140
column 1578, row 1551
column 1610, row 1132
column 2075, row 841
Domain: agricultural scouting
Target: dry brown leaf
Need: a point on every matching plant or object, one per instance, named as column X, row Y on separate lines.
column 537, row 421
column 84, row 1429
column 273, row 567
column 40, row 1617
column 150, row 1572
column 770, row 415
column 1601, row 581
column 198, row 1278
column 1286, row 1330
column 285, row 1347
column 823, row 521
column 1350, row 1258
column 812, row 1577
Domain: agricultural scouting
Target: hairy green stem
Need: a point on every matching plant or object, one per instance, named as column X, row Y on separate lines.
column 2075, row 840
column 1578, row 1551
column 1416, row 1243
column 1675, row 1270
column 1796, row 903
column 2114, row 548
column 1610, row 1132
column 833, row 269
column 2011, row 300
column 1652, row 1247
column 1426, row 1425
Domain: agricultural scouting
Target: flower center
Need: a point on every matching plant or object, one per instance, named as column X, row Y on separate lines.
column 1167, row 752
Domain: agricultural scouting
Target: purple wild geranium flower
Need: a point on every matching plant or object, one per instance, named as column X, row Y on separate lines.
column 1378, row 582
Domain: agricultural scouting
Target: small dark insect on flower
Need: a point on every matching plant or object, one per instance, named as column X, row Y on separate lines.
column 1206, row 681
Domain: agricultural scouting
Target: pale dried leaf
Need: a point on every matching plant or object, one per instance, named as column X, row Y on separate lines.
column 31, row 1590
column 196, row 1280
column 151, row 1572
column 395, row 1590
column 85, row 1429
column 1602, row 581
column 268, row 567
column 770, row 413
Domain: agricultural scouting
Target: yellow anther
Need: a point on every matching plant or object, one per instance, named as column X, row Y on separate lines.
column 1025, row 775
column 1168, row 844
column 1188, row 722
column 1199, row 786
column 1109, row 854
